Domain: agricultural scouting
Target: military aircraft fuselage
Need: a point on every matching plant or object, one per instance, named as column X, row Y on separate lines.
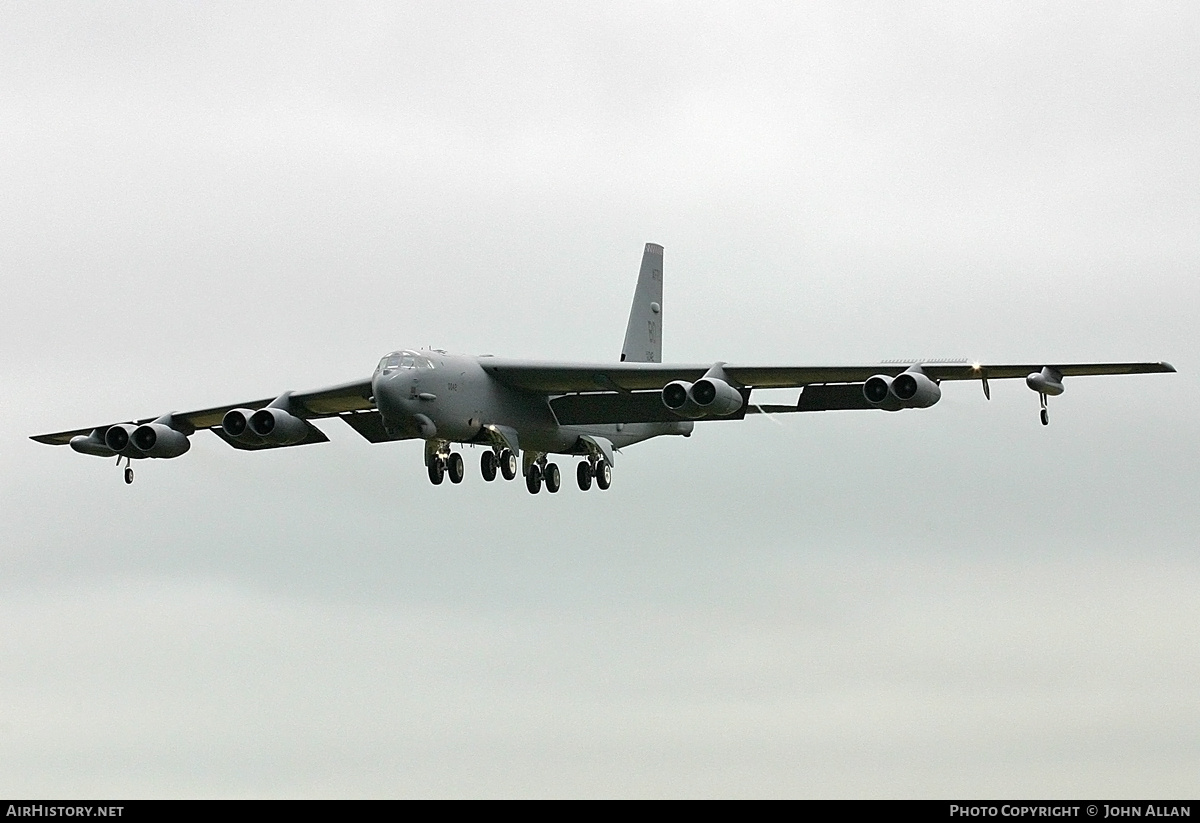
column 432, row 394
column 527, row 411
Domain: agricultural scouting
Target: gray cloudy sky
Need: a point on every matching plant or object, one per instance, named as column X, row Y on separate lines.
column 207, row 202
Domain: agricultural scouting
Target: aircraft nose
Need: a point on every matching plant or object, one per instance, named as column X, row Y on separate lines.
column 393, row 392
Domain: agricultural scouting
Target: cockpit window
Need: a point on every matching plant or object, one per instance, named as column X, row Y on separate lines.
column 405, row 360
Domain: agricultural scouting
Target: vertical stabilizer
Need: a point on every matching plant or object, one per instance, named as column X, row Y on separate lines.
column 643, row 335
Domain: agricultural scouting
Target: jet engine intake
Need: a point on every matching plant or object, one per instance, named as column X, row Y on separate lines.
column 277, row 427
column 677, row 396
column 713, row 396
column 912, row 389
column 236, row 424
column 158, row 440
column 915, row 390
column 878, row 392
column 117, row 439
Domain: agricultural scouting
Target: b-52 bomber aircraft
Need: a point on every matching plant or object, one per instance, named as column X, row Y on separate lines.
column 538, row 409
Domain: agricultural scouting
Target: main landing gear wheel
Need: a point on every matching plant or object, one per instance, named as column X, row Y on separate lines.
column 603, row 475
column 583, row 474
column 437, row 470
column 455, row 468
column 553, row 478
column 508, row 464
column 488, row 465
column 128, row 474
column 533, row 479
column 1045, row 417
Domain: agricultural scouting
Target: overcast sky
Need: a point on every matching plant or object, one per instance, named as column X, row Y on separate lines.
column 202, row 203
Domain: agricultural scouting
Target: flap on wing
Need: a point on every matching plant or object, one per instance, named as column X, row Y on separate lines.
column 621, row 407
column 832, row 397
column 370, row 426
column 611, row 407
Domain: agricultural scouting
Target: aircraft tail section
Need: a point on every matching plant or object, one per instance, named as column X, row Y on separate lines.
column 643, row 335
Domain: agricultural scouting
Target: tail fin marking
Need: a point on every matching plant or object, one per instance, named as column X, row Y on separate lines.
column 643, row 335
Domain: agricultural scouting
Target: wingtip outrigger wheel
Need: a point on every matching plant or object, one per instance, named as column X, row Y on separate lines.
column 128, row 468
column 1046, row 382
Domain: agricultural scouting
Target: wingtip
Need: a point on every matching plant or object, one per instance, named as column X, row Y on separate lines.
column 1167, row 366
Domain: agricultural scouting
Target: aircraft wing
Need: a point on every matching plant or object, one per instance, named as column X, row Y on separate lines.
column 566, row 378
column 562, row 378
column 327, row 402
column 630, row 392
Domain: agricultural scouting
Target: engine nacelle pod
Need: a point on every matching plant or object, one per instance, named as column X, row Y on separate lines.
column 91, row 444
column 158, row 440
column 677, row 396
column 117, row 439
column 236, row 424
column 277, row 427
column 915, row 390
column 878, row 392
column 1047, row 381
column 713, row 396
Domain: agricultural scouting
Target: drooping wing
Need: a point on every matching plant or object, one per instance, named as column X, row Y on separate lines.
column 628, row 392
column 327, row 402
column 564, row 378
column 784, row 377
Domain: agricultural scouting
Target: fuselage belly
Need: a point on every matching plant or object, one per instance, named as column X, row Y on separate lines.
column 458, row 397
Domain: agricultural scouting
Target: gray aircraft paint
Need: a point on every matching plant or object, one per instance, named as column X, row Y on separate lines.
column 769, row 609
column 643, row 335
column 446, row 399
column 465, row 403
column 461, row 398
